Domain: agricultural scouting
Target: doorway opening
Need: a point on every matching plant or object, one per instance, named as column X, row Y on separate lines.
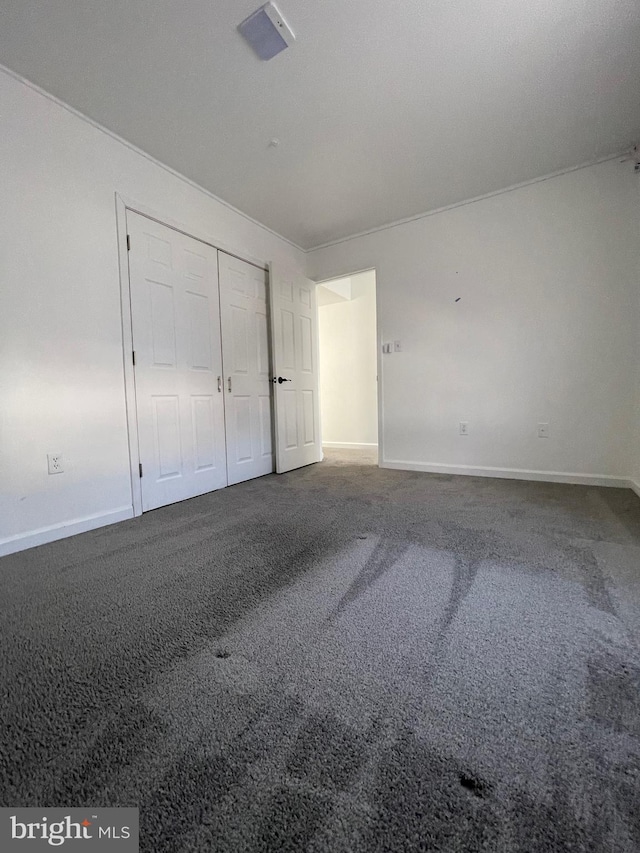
column 347, row 336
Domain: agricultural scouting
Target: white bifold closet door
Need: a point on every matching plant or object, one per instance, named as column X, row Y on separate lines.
column 201, row 365
column 246, row 369
column 178, row 363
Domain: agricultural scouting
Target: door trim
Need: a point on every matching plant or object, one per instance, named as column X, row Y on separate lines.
column 122, row 205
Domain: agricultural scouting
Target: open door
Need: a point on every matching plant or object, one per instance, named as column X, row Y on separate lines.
column 294, row 335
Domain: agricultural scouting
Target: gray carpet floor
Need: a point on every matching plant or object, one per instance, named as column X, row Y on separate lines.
column 338, row 659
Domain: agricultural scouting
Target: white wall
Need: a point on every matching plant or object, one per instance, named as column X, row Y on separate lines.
column 348, row 365
column 545, row 329
column 61, row 355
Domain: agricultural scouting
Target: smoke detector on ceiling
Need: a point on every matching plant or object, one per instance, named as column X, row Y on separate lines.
column 267, row 31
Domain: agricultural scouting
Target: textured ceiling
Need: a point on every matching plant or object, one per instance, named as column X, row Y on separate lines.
column 383, row 110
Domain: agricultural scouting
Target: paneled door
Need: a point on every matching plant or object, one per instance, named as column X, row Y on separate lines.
column 246, row 369
column 175, row 317
column 294, row 325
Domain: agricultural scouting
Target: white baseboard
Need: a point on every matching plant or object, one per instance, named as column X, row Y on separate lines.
column 635, row 486
column 511, row 473
column 60, row 531
column 349, row 445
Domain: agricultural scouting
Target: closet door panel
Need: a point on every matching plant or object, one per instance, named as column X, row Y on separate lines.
column 175, row 315
column 246, row 364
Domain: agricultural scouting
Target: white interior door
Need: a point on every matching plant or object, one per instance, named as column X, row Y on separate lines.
column 294, row 324
column 246, row 367
column 175, row 316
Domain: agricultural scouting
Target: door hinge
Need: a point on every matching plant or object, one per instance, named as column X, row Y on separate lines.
column 140, row 468
column 128, row 243
column 133, row 357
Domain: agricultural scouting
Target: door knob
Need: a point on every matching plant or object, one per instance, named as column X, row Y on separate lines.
column 280, row 380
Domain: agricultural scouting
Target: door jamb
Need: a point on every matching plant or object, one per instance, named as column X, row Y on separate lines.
column 122, row 205
column 127, row 356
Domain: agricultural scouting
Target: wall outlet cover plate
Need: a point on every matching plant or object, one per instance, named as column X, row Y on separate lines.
column 54, row 463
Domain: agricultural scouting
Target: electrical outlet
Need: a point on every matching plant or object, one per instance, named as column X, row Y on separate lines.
column 464, row 428
column 397, row 346
column 54, row 462
column 543, row 430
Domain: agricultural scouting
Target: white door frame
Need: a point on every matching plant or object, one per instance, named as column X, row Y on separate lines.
column 122, row 205
column 379, row 360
